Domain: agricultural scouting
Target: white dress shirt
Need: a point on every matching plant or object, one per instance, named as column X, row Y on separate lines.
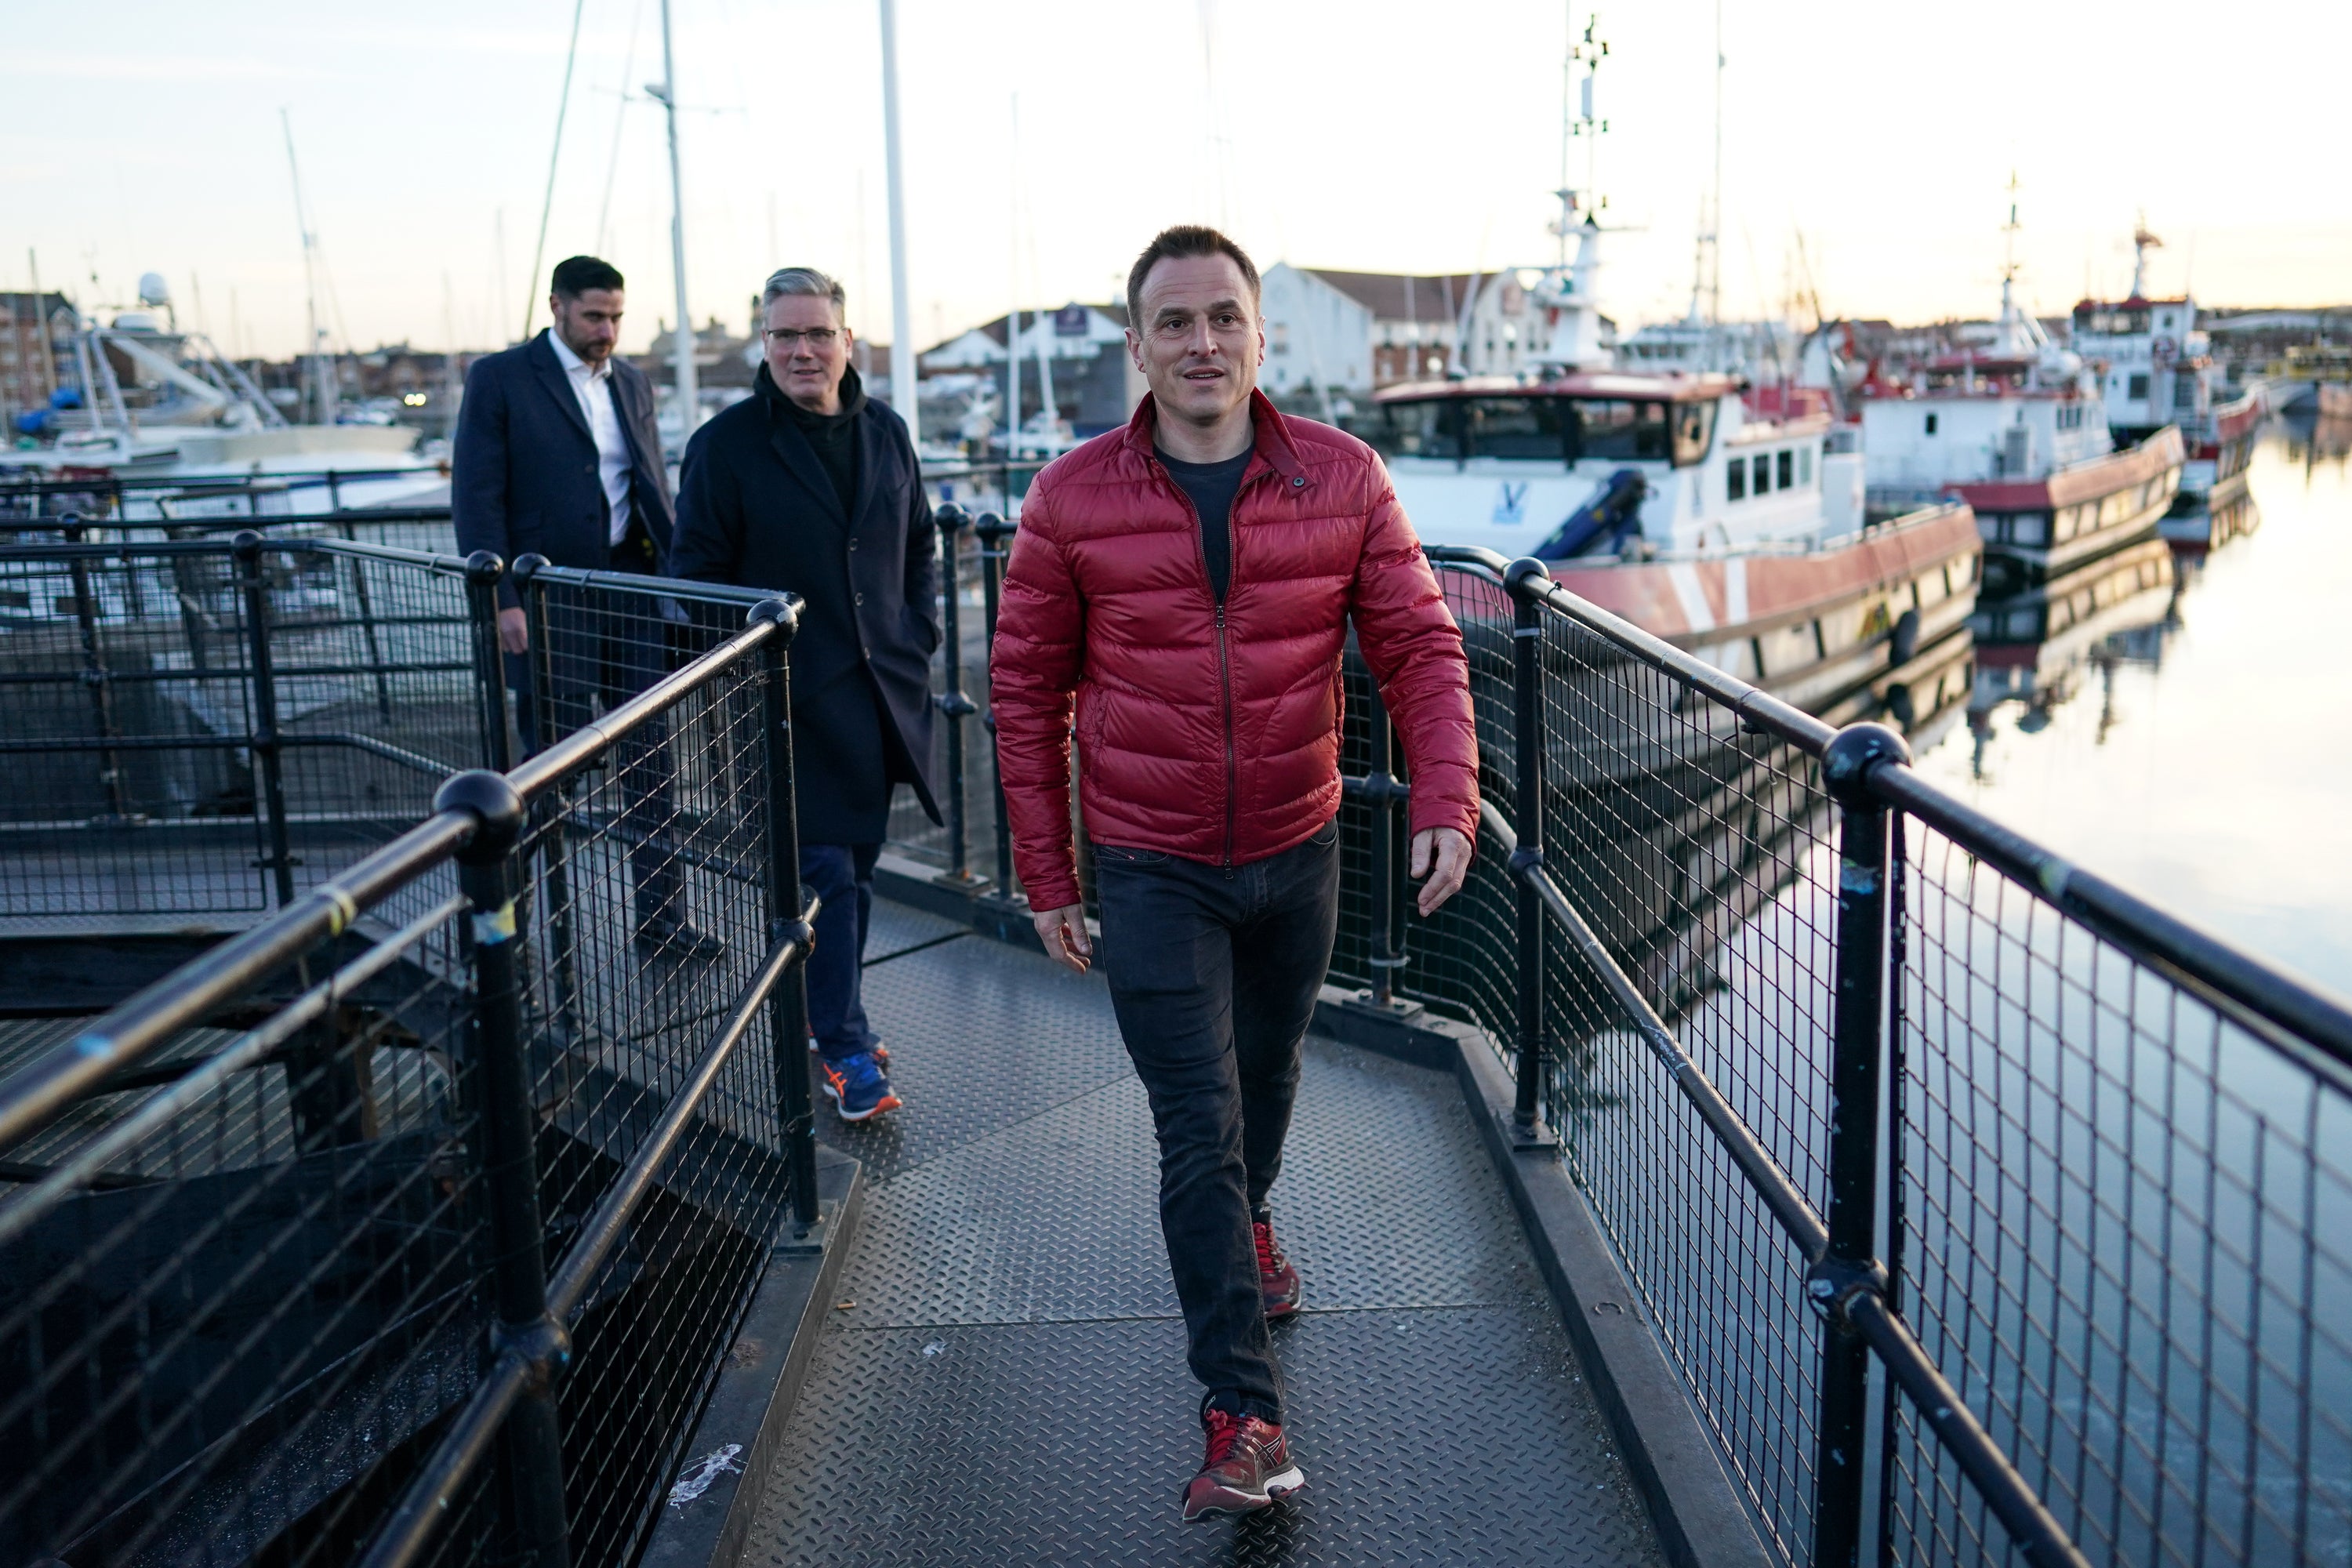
column 592, row 386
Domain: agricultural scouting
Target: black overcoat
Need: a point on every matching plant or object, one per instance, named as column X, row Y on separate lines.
column 756, row 507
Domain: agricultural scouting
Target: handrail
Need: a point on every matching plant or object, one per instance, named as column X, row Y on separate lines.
column 223, row 484
column 208, row 525
column 536, row 1354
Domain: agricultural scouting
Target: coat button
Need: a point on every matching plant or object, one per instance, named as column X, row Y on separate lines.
column 859, row 599
column 852, row 544
column 1299, row 481
column 868, row 652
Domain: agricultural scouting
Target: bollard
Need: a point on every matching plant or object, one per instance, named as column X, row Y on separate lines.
column 995, row 537
column 508, row 1157
column 1850, row 1265
column 788, row 1002
column 951, row 522
column 265, row 741
column 1527, row 739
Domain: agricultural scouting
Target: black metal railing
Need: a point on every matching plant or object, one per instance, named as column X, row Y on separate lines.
column 2007, row 1210
column 117, row 497
column 405, row 1176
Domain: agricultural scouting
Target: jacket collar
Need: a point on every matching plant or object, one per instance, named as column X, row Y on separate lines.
column 1272, row 435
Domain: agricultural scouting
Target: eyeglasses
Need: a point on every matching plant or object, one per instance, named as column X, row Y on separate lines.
column 817, row 338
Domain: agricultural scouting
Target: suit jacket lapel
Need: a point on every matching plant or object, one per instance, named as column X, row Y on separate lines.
column 542, row 358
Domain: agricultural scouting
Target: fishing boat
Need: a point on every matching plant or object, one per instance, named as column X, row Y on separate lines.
column 2033, row 648
column 2157, row 368
column 1664, row 498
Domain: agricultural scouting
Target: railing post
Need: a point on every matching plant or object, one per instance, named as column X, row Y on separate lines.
column 1526, row 860
column 266, row 740
column 483, row 571
column 1384, row 790
column 95, row 671
column 1857, row 1060
column 952, row 702
column 531, row 1439
column 367, row 625
column 788, row 1002
column 995, row 535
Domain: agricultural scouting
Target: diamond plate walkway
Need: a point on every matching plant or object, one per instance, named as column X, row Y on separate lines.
column 1005, row 1381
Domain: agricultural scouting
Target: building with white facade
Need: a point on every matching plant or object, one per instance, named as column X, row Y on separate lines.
column 1356, row 332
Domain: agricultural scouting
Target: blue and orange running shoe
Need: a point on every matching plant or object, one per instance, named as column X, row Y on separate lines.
column 881, row 1052
column 859, row 1088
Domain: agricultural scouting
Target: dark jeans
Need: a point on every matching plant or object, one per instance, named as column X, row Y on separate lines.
column 842, row 875
column 1214, row 974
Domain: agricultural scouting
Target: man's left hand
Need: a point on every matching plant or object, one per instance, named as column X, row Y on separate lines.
column 1451, row 852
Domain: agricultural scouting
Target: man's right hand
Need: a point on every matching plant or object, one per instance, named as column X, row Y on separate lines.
column 1064, row 933
column 513, row 631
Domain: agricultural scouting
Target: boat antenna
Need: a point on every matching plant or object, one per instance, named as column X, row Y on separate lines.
column 547, row 204
column 1711, row 237
column 689, row 397
column 323, row 375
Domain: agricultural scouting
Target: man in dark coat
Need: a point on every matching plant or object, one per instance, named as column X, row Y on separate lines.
column 809, row 486
column 557, row 456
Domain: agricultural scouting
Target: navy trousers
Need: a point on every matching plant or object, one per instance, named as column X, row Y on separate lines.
column 842, row 875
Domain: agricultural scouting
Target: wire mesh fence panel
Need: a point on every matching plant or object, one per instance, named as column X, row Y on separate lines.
column 2126, row 1234
column 236, row 1285
column 1698, row 851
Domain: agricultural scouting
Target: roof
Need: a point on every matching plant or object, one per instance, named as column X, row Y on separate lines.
column 1666, row 388
column 1437, row 297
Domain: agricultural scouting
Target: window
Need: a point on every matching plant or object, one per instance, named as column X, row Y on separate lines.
column 1514, row 428
column 1804, row 465
column 2139, row 388
column 1611, row 429
column 1278, row 338
column 1736, row 479
column 1417, row 429
column 2184, row 392
column 1931, row 425
column 1694, row 432
column 1763, row 480
column 1787, row 464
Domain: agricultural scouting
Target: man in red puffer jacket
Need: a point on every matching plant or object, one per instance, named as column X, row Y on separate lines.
column 1190, row 580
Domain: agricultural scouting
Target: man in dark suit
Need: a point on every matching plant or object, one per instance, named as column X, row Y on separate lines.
column 808, row 484
column 557, row 456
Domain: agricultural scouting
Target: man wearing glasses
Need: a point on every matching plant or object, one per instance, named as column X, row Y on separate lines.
column 810, row 486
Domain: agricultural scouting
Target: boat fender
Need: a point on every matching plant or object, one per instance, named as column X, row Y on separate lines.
column 1906, row 640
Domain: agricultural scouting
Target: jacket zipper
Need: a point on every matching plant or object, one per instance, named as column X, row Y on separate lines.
column 1224, row 660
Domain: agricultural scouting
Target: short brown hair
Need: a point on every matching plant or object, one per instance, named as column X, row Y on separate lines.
column 1182, row 240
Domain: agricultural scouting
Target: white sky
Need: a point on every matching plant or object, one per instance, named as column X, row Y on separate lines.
column 1370, row 135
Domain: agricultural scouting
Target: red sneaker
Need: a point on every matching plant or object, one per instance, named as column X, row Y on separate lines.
column 1248, row 1468
column 1276, row 1279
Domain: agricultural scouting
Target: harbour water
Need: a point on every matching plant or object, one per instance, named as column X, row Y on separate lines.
column 2201, row 757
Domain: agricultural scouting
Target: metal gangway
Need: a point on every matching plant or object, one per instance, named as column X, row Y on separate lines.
column 1767, row 1158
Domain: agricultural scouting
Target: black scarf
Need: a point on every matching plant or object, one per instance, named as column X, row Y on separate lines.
column 833, row 437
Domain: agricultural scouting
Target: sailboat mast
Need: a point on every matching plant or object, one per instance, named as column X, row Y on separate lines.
column 690, row 396
column 1714, row 236
column 321, row 375
column 903, row 395
column 1012, row 298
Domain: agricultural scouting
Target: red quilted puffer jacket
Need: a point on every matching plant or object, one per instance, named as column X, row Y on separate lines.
column 1206, row 734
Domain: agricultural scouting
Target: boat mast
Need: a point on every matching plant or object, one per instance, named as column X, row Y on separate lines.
column 903, row 394
column 688, row 395
column 1707, row 266
column 2142, row 243
column 323, row 375
column 1012, row 300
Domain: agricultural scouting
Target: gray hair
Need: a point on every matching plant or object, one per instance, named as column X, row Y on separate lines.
column 805, row 281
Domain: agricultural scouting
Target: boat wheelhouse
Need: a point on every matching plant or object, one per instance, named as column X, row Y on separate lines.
column 2034, row 529
column 2157, row 368
column 1660, row 498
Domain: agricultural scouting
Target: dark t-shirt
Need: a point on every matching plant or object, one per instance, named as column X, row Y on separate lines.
column 1212, row 486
